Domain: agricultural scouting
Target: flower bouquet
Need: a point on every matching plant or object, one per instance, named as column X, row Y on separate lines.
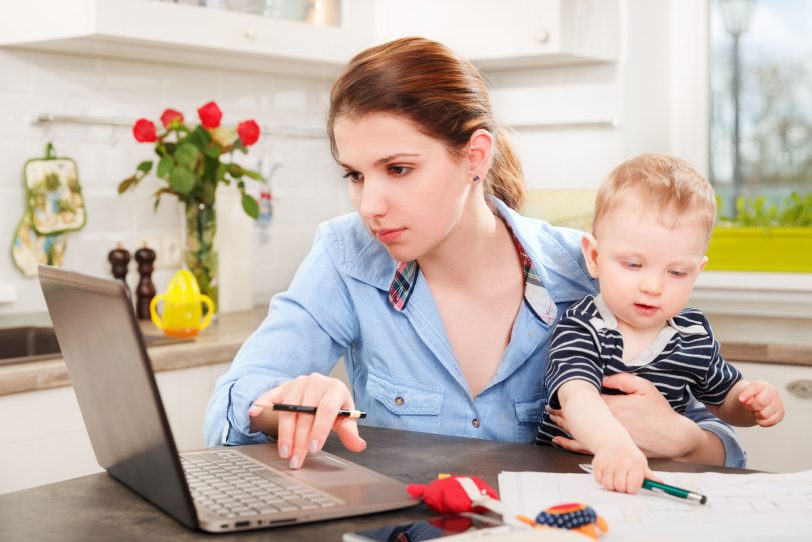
column 190, row 161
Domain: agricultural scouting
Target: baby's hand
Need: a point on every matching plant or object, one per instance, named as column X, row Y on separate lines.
column 764, row 401
column 621, row 466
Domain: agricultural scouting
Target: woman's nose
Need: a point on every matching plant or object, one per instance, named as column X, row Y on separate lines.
column 372, row 199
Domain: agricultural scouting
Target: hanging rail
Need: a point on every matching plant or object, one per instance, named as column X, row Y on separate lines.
column 574, row 125
column 278, row 130
column 307, row 132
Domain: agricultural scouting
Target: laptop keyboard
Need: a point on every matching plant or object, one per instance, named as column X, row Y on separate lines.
column 233, row 486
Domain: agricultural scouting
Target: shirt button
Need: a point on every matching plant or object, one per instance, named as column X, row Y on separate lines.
column 475, row 423
column 399, row 400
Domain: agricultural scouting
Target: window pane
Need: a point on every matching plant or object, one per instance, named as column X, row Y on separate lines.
column 774, row 90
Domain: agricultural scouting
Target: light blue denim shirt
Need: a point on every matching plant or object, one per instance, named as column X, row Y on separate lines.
column 401, row 367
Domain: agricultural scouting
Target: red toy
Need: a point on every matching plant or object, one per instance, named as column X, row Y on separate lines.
column 455, row 494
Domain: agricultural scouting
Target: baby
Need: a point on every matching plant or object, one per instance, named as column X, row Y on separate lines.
column 653, row 220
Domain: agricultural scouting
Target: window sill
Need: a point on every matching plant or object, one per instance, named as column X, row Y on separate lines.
column 756, row 294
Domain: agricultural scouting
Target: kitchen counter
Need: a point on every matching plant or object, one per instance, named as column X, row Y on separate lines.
column 786, row 341
column 217, row 344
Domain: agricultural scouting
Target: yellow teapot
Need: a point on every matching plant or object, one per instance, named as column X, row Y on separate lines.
column 182, row 310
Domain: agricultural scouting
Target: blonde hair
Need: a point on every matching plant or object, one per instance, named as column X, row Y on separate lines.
column 664, row 183
column 442, row 94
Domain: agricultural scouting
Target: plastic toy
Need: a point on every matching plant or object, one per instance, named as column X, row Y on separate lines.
column 573, row 516
column 455, row 494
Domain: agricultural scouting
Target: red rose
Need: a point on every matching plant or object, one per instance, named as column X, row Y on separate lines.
column 144, row 131
column 248, row 131
column 210, row 115
column 171, row 115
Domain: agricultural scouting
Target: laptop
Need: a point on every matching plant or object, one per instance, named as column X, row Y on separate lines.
column 217, row 489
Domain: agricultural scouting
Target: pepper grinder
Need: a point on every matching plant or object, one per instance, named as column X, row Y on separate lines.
column 145, row 290
column 119, row 257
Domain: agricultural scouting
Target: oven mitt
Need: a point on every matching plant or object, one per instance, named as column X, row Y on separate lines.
column 54, row 205
column 29, row 249
column 53, row 194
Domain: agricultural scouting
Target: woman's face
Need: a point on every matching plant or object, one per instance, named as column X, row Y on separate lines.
column 407, row 188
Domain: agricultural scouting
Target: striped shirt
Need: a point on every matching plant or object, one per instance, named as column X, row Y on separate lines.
column 683, row 361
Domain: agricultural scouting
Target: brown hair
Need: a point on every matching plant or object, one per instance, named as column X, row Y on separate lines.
column 664, row 183
column 444, row 96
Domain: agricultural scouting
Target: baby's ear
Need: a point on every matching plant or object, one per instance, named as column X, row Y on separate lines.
column 703, row 263
column 589, row 246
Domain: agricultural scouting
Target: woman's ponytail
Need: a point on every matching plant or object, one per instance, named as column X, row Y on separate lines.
column 505, row 179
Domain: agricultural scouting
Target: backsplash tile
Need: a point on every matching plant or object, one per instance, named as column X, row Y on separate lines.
column 307, row 188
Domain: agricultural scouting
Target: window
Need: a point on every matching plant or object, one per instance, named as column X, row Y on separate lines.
column 770, row 87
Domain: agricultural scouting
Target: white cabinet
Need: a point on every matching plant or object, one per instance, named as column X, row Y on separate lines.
column 509, row 33
column 495, row 35
column 43, row 437
column 179, row 33
column 786, row 447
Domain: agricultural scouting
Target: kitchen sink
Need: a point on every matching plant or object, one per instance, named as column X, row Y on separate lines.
column 31, row 343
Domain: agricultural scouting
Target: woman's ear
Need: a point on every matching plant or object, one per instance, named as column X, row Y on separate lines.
column 589, row 246
column 479, row 153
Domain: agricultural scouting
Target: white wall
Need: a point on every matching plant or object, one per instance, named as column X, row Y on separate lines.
column 656, row 92
column 307, row 189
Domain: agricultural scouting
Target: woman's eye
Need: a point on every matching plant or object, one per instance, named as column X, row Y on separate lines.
column 399, row 171
column 353, row 176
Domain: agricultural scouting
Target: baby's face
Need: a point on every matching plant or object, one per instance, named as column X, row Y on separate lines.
column 646, row 268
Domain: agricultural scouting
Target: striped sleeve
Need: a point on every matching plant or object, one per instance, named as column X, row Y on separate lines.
column 574, row 355
column 720, row 376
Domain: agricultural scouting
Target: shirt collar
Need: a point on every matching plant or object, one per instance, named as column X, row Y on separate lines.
column 609, row 321
column 536, row 295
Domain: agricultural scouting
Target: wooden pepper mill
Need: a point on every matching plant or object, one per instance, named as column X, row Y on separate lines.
column 119, row 258
column 145, row 290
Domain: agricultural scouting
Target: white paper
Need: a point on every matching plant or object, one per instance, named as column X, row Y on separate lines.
column 740, row 508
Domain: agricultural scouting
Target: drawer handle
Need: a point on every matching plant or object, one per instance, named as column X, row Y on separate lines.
column 800, row 388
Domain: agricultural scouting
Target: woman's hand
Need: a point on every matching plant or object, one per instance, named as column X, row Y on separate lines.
column 653, row 425
column 298, row 434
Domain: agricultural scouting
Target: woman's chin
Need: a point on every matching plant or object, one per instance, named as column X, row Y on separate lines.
column 401, row 253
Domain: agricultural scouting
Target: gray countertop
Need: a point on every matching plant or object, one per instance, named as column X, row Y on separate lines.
column 786, row 341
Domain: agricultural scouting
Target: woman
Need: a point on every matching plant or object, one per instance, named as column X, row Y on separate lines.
column 437, row 293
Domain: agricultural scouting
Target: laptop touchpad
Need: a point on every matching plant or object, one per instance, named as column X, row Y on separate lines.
column 326, row 471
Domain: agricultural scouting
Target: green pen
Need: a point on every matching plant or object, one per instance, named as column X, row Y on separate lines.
column 659, row 487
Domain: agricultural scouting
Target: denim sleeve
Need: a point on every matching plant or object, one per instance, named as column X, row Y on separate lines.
column 735, row 456
column 307, row 329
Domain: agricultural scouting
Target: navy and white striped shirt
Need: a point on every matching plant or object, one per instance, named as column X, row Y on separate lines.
column 683, row 361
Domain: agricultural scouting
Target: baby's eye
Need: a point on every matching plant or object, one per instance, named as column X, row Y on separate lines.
column 399, row 171
column 677, row 274
column 632, row 265
column 353, row 176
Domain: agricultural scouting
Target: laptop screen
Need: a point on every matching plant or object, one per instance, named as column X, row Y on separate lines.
column 113, row 380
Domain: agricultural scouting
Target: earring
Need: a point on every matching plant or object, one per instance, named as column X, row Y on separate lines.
column 476, row 178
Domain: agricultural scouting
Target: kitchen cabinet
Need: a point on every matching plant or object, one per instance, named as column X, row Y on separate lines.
column 43, row 437
column 185, row 34
column 494, row 35
column 786, row 447
column 509, row 33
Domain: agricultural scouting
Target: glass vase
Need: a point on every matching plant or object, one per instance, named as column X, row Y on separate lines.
column 201, row 254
